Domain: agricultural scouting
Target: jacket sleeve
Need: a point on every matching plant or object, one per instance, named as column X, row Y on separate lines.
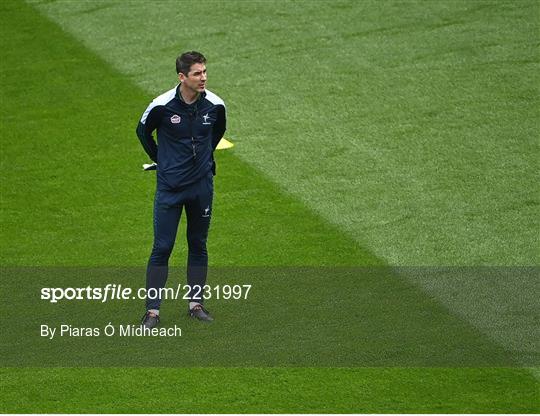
column 218, row 130
column 147, row 124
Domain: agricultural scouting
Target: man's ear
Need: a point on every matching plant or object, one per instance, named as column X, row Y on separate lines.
column 181, row 77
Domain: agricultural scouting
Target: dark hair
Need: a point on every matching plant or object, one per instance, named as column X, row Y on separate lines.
column 184, row 61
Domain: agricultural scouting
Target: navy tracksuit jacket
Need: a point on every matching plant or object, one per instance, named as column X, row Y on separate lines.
column 187, row 135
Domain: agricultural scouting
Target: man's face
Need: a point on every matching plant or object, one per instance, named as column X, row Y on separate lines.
column 195, row 79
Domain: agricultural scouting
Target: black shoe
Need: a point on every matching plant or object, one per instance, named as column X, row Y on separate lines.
column 200, row 313
column 150, row 320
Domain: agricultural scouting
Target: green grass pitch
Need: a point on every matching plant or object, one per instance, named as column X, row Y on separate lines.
column 366, row 133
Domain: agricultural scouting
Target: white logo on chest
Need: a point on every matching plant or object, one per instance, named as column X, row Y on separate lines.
column 205, row 118
column 176, row 119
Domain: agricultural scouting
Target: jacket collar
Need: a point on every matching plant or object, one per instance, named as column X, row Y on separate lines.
column 179, row 96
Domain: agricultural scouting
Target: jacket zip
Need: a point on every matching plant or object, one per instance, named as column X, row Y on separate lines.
column 192, row 118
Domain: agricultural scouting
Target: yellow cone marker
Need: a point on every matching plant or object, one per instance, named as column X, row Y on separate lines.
column 224, row 144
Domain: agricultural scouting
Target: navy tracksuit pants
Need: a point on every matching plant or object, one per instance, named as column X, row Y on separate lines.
column 196, row 198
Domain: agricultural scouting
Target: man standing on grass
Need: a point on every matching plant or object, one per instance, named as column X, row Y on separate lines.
column 190, row 121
